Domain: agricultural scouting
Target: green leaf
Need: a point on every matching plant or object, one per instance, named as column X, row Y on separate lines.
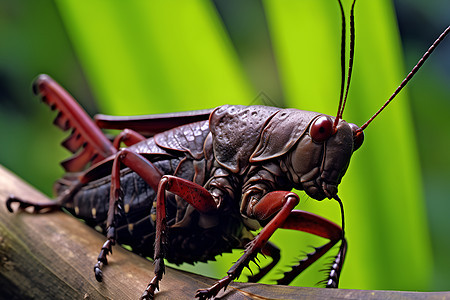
column 146, row 57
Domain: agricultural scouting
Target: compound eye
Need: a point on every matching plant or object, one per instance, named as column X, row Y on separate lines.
column 321, row 129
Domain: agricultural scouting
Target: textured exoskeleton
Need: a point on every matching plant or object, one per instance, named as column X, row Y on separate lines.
column 208, row 182
column 206, row 177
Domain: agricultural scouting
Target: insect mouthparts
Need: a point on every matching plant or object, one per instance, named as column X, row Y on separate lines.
column 330, row 190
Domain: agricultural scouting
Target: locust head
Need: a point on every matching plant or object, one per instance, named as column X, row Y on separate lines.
column 321, row 157
column 313, row 149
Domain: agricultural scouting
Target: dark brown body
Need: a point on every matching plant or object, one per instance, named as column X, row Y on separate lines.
column 236, row 156
column 189, row 241
column 191, row 191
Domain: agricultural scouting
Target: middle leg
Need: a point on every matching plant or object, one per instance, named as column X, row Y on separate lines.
column 194, row 194
column 147, row 171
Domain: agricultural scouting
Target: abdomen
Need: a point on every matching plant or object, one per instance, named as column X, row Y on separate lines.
column 135, row 226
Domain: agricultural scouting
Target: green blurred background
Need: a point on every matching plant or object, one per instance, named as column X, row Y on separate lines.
column 143, row 57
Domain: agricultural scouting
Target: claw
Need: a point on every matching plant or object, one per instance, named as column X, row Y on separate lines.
column 203, row 294
column 98, row 273
column 102, row 259
column 212, row 291
column 11, row 199
column 23, row 204
column 149, row 292
column 147, row 296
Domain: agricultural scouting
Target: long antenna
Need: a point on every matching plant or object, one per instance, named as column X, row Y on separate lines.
column 408, row 77
column 343, row 98
column 343, row 38
column 351, row 55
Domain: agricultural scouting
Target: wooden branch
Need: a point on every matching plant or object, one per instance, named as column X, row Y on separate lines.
column 52, row 256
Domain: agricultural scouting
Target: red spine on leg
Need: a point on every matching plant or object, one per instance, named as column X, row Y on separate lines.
column 85, row 133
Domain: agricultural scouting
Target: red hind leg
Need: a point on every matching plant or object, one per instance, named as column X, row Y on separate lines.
column 24, row 204
column 86, row 141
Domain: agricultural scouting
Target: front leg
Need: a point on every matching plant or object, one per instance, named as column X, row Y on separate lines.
column 317, row 225
column 279, row 206
column 284, row 200
column 269, row 250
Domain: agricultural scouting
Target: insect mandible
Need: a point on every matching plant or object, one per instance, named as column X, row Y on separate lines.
column 248, row 184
